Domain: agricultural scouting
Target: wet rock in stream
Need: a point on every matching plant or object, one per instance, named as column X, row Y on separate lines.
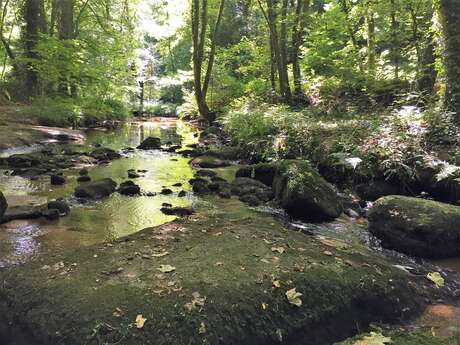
column 209, row 162
column 60, row 205
column 177, row 211
column 151, row 143
column 57, row 180
column 96, row 189
column 129, row 188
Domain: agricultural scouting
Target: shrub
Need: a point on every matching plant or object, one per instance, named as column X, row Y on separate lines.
column 58, row 112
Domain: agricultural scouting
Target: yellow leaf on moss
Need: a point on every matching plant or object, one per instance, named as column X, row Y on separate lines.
column 436, row 278
column 374, row 339
column 140, row 321
column 166, row 268
column 294, row 297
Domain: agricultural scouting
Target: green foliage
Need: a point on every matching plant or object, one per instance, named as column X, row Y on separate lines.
column 172, row 93
column 58, row 112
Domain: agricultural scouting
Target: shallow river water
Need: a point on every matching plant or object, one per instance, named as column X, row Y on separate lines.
column 112, row 217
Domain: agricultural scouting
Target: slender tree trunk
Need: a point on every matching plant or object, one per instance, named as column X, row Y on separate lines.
column 34, row 24
column 449, row 14
column 298, row 33
column 67, row 86
column 284, row 75
column 371, row 55
column 396, row 50
column 352, row 33
column 199, row 28
column 427, row 75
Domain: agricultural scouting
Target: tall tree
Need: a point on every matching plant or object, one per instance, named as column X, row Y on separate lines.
column 449, row 15
column 199, row 35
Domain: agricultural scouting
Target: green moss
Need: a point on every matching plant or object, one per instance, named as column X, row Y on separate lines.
column 227, row 256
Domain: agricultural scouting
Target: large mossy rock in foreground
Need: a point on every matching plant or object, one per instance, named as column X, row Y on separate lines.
column 417, row 227
column 212, row 279
column 3, row 204
column 96, row 190
column 304, row 193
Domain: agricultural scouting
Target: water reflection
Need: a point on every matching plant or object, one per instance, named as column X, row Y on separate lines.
column 112, row 217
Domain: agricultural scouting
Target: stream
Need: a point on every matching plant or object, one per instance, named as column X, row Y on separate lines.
column 107, row 219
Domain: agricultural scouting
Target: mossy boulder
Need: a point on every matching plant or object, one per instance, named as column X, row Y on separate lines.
column 210, row 162
column 96, row 190
column 304, row 194
column 418, row 227
column 198, row 283
column 3, row 205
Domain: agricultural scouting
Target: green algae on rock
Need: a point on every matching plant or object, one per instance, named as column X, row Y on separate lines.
column 222, row 290
column 417, row 227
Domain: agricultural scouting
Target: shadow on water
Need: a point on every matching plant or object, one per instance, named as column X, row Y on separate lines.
column 107, row 219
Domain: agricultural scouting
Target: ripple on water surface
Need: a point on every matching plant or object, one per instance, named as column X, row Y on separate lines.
column 112, row 217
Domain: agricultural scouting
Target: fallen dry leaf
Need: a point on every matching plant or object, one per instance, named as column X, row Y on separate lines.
column 276, row 283
column 294, row 297
column 280, row 250
column 140, row 321
column 202, row 329
column 166, row 268
column 436, row 278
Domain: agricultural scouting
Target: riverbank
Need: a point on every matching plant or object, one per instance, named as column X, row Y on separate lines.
column 19, row 128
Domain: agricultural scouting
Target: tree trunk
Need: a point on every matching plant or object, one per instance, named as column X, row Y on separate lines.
column 427, row 72
column 449, row 14
column 371, row 55
column 67, row 87
column 35, row 24
column 298, row 33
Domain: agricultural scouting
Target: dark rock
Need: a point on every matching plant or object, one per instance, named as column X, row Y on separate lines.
column 177, row 184
column 173, row 149
column 105, row 154
column 3, row 204
column 133, row 174
column 304, row 194
column 59, row 205
column 182, row 194
column 21, row 213
column 225, row 193
column 200, row 186
column 263, row 172
column 209, row 162
column 165, row 204
column 51, row 214
column 96, row 190
column 376, row 189
column 418, row 227
column 190, row 153
column 151, row 143
column 84, row 179
column 251, row 200
column 57, row 180
column 178, row 211
column 83, row 172
column 129, row 188
column 25, row 160
column 166, row 191
column 206, row 173
column 224, row 153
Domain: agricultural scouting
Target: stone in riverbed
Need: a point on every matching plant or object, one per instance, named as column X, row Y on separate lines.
column 177, row 211
column 104, row 154
column 57, row 180
column 129, row 188
column 377, row 189
column 304, row 194
column 263, row 172
column 418, row 227
column 133, row 174
column 208, row 162
column 96, row 190
column 151, row 143
column 3, row 205
column 84, row 178
column 59, row 205
column 83, row 172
